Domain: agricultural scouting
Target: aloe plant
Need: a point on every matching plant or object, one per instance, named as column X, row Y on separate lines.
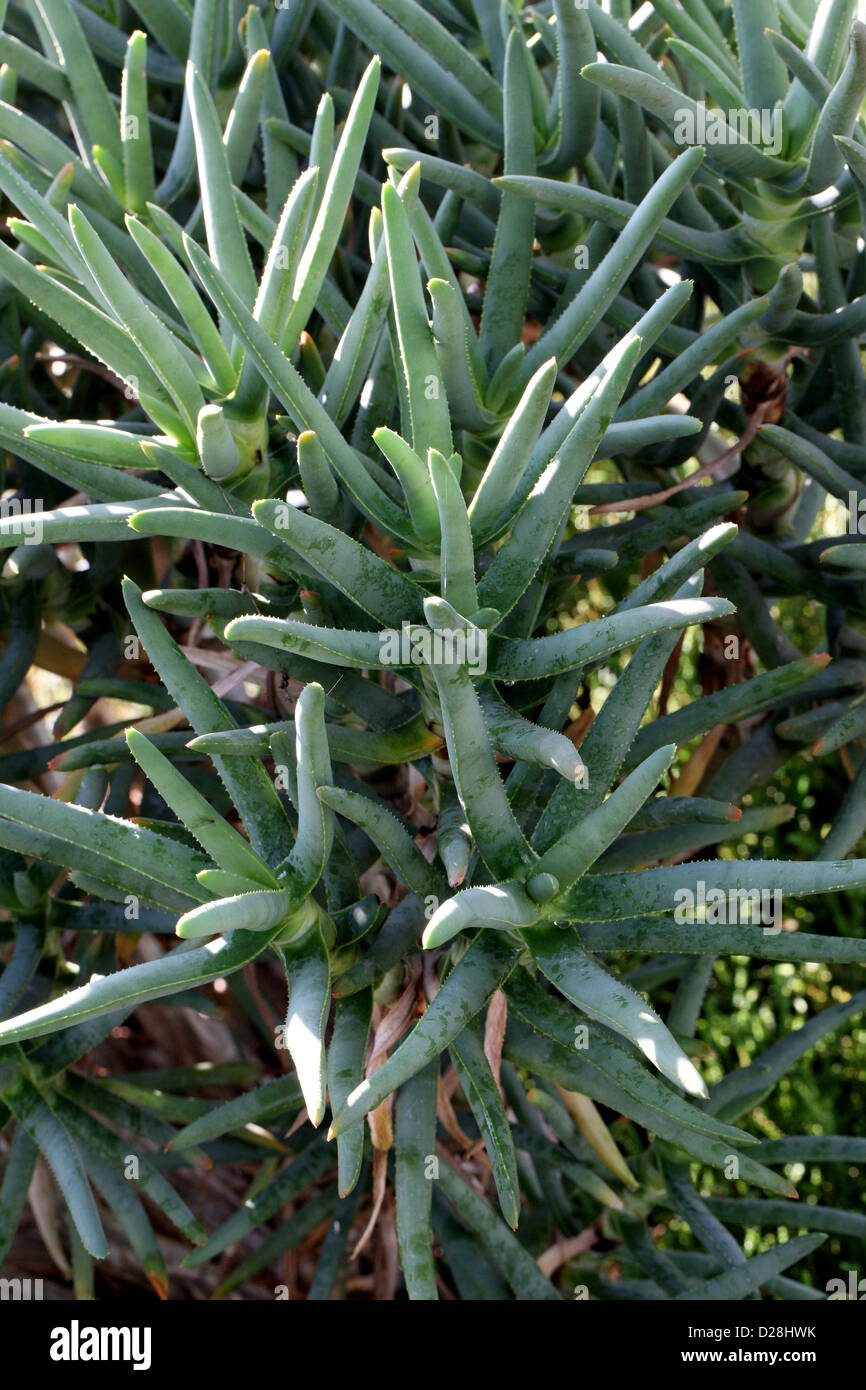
column 776, row 101
column 309, row 383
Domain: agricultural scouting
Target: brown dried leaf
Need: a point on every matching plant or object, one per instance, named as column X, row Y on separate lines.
column 494, row 1033
column 563, row 1250
column 380, row 1173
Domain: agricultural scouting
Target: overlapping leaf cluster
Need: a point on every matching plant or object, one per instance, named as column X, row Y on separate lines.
column 326, row 400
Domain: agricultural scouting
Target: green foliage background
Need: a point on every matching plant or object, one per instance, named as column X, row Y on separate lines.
column 239, row 265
